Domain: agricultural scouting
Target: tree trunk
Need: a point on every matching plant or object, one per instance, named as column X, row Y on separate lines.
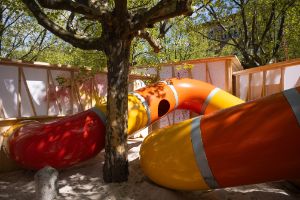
column 116, row 164
column 1, row 27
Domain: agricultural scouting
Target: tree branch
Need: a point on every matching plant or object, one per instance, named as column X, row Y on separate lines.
column 153, row 43
column 11, row 22
column 237, row 3
column 76, row 40
column 253, row 33
column 74, row 6
column 279, row 35
column 121, row 8
column 268, row 25
column 242, row 6
column 34, row 46
column 164, row 28
column 69, row 25
column 214, row 39
column 213, row 13
column 164, row 9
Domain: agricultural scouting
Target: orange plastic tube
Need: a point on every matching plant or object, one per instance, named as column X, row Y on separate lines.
column 252, row 143
column 249, row 143
column 198, row 96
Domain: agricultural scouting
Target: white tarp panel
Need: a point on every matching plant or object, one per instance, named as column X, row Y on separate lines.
column 36, row 80
column 63, row 94
column 199, row 72
column 292, row 77
column 256, row 85
column 26, row 109
column 165, row 72
column 180, row 72
column 243, row 87
column 101, row 81
column 9, row 90
column 272, row 81
column 217, row 73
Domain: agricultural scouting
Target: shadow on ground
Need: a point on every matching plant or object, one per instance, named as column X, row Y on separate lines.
column 84, row 181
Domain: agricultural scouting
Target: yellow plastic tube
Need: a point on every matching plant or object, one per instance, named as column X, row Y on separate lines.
column 250, row 143
column 167, row 158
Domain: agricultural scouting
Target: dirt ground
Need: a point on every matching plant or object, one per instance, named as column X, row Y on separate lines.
column 85, row 182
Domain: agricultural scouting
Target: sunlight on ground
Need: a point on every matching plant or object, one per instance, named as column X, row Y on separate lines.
column 85, row 181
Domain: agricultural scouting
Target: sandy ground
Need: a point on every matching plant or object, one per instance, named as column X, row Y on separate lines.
column 85, row 182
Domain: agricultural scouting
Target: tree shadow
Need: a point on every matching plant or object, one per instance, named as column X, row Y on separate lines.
column 84, row 181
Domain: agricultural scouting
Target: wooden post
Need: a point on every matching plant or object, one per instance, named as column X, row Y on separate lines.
column 19, row 91
column 282, row 79
column 28, row 92
column 2, row 114
column 72, row 94
column 1, row 141
column 263, row 89
column 76, row 89
column 249, row 87
column 96, row 90
column 207, row 75
column 46, row 183
column 190, row 74
column 228, row 76
column 237, row 86
column 56, row 98
column 47, row 91
column 91, row 91
column 157, row 73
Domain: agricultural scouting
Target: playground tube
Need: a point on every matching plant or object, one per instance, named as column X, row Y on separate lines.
column 76, row 138
column 250, row 143
column 163, row 97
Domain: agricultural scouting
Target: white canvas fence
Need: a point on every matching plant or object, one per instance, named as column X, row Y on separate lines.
column 261, row 81
column 33, row 89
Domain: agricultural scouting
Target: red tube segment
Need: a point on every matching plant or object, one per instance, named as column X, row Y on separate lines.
column 59, row 144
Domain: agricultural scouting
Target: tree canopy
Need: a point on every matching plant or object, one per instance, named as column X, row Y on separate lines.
column 195, row 29
column 256, row 29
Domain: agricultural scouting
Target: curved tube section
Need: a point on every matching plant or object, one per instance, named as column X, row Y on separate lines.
column 250, row 143
column 165, row 96
column 79, row 137
column 59, row 144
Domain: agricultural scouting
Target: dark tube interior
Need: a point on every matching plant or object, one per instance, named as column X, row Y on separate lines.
column 163, row 107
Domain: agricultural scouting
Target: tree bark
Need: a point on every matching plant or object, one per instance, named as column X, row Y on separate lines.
column 116, row 164
column 1, row 27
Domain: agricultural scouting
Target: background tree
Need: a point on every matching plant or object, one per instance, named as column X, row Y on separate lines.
column 255, row 28
column 178, row 44
column 291, row 38
column 22, row 38
column 17, row 42
column 108, row 26
column 63, row 52
column 180, row 41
